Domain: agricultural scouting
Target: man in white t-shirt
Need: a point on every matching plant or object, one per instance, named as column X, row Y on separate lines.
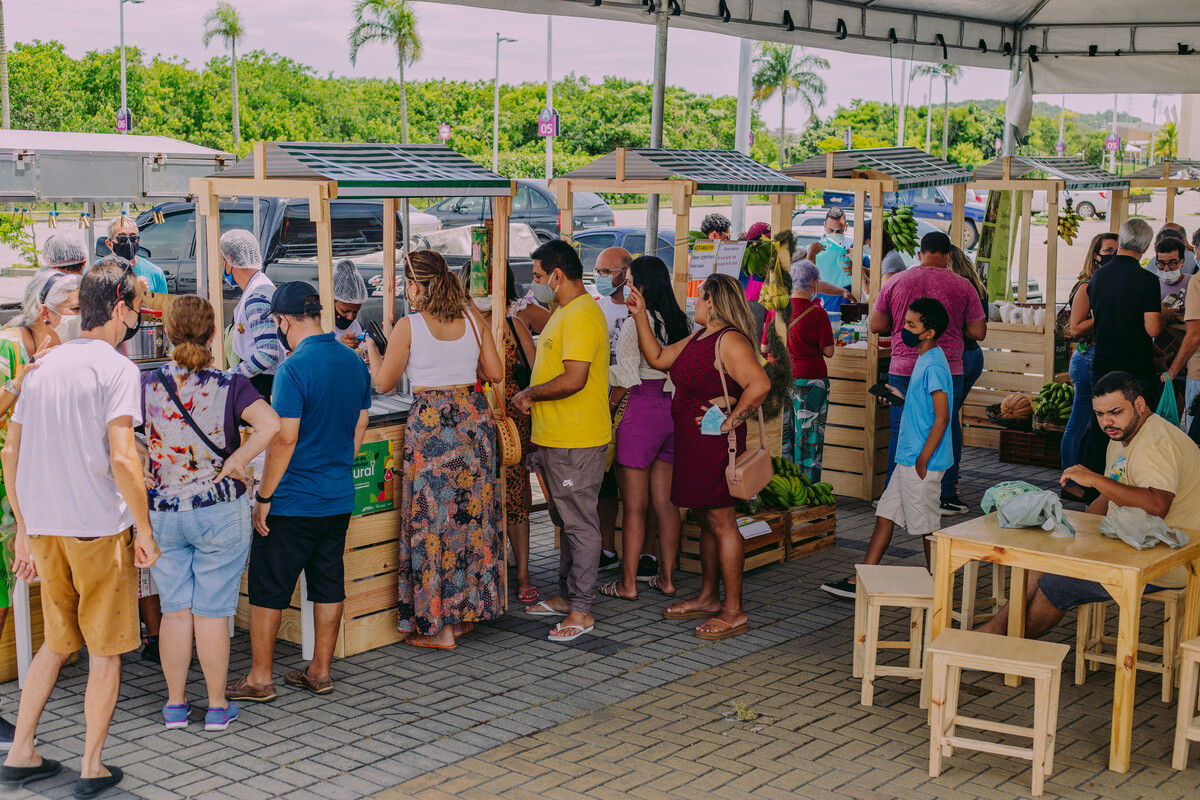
column 70, row 454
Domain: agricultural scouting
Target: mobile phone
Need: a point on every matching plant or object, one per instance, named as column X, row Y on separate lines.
column 884, row 392
column 375, row 331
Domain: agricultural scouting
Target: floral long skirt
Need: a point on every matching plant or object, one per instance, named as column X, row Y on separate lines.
column 450, row 545
column 810, row 406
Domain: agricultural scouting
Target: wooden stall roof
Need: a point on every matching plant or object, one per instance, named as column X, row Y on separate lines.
column 909, row 167
column 1165, row 169
column 1073, row 172
column 377, row 170
column 713, row 171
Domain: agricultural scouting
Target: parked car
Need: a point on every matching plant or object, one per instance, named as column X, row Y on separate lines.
column 589, row 244
column 535, row 205
column 933, row 204
column 1088, row 202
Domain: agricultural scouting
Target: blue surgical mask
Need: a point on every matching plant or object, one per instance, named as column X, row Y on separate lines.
column 604, row 284
column 909, row 338
column 712, row 420
column 229, row 281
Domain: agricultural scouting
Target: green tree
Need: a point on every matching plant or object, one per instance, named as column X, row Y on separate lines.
column 391, row 22
column 4, row 107
column 791, row 74
column 949, row 73
column 225, row 22
column 1167, row 142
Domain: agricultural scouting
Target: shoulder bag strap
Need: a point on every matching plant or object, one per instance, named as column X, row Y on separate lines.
column 502, row 411
column 170, row 390
column 796, row 321
column 762, row 425
column 512, row 327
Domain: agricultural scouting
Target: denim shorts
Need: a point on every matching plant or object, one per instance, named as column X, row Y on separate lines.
column 204, row 551
column 1066, row 593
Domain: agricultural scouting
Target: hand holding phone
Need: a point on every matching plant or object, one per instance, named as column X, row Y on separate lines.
column 887, row 394
column 375, row 331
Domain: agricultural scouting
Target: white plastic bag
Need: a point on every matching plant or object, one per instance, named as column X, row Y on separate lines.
column 1034, row 510
column 1140, row 530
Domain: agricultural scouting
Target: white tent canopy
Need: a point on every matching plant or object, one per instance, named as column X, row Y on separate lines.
column 1147, row 46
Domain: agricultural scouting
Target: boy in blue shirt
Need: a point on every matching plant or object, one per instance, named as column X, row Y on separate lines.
column 912, row 498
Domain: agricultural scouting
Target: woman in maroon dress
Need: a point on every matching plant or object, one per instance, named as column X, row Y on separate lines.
column 698, row 478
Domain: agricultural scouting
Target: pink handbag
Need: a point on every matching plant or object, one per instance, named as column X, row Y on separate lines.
column 745, row 476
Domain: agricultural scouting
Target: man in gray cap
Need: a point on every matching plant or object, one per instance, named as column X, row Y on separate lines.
column 254, row 339
column 64, row 253
column 349, row 294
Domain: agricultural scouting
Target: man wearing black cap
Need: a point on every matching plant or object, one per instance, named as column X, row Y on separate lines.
column 322, row 392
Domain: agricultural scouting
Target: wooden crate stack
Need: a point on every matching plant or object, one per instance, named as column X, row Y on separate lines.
column 760, row 550
column 372, row 554
column 809, row 529
column 856, row 425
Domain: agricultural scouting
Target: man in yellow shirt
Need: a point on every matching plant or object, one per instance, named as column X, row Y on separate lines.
column 568, row 396
column 1151, row 464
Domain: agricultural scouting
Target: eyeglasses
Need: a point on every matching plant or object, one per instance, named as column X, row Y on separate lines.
column 1170, row 264
column 610, row 272
column 124, row 239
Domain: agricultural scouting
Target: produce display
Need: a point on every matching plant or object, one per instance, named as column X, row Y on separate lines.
column 902, row 227
column 775, row 295
column 1054, row 401
column 789, row 487
column 1016, row 406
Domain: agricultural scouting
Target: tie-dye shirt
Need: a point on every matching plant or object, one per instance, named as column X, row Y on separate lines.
column 182, row 464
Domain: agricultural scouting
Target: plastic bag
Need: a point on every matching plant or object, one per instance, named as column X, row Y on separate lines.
column 1167, row 408
column 994, row 496
column 1039, row 509
column 1140, row 530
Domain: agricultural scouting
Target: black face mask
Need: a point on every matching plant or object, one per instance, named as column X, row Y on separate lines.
column 283, row 338
column 125, row 249
column 342, row 323
column 1105, row 259
column 132, row 332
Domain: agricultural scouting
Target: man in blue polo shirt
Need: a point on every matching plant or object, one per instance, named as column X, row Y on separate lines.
column 302, row 509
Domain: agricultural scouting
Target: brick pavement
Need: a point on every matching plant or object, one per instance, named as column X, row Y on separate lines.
column 643, row 709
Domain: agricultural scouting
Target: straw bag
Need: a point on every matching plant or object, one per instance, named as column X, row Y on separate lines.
column 745, row 476
column 508, row 438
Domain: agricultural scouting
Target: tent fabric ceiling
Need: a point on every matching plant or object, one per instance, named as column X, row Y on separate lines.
column 714, row 171
column 912, row 168
column 1147, row 36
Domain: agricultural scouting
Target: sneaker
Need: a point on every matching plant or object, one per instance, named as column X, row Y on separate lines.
column 842, row 590
column 647, row 568
column 7, row 731
column 952, row 507
column 218, row 719
column 150, row 650
column 176, row 716
column 608, row 561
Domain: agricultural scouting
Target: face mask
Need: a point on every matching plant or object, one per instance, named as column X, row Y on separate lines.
column 282, row 337
column 836, row 238
column 710, row 423
column 69, row 327
column 229, row 281
column 542, row 292
column 341, row 323
column 909, row 338
column 130, row 332
column 1170, row 276
column 604, row 285
column 483, row 303
column 126, row 249
column 1105, row 259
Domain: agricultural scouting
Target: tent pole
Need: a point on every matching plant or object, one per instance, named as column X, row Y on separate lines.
column 656, row 116
column 1014, row 73
column 741, row 137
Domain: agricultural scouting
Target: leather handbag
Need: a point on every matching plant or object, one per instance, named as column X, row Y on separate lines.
column 508, row 437
column 748, row 474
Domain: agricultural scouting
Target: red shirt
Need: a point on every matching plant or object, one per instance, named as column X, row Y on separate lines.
column 806, row 339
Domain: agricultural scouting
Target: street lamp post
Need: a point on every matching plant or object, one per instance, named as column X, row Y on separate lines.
column 124, row 101
column 496, row 106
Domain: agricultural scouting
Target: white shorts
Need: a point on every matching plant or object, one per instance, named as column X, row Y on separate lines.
column 912, row 503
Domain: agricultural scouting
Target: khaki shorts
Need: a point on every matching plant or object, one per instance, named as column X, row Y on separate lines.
column 89, row 593
column 912, row 503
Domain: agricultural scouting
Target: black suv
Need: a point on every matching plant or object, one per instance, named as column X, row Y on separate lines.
column 535, row 205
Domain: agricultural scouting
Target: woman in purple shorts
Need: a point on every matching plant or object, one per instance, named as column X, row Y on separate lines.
column 646, row 435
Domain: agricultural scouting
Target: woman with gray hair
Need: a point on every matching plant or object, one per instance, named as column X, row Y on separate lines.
column 349, row 294
column 809, row 342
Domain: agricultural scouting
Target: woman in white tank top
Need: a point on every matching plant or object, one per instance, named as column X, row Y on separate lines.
column 450, row 545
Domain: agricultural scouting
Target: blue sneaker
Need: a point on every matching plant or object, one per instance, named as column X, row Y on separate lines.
column 218, row 719
column 176, row 716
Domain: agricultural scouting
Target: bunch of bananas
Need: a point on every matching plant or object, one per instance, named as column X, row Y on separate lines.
column 1068, row 225
column 901, row 226
column 773, row 294
column 790, row 487
column 1054, row 401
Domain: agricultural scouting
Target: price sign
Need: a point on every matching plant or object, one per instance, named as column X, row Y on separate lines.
column 443, row 132
column 547, row 122
column 1112, row 143
column 1060, row 147
column 124, row 120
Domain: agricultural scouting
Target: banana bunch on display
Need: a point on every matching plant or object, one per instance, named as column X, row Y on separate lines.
column 790, row 487
column 1068, row 225
column 1054, row 401
column 774, row 294
column 902, row 227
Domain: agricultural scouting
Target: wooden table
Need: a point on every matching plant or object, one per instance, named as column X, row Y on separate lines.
column 1121, row 569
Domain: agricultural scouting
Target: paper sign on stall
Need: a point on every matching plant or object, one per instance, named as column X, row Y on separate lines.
column 702, row 261
column 729, row 258
column 749, row 527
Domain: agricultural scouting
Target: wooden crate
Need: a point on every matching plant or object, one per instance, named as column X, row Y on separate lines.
column 773, row 430
column 853, row 414
column 8, row 642
column 1036, row 449
column 760, row 551
column 809, row 529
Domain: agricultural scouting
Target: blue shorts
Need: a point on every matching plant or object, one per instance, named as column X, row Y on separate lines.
column 1066, row 593
column 204, row 551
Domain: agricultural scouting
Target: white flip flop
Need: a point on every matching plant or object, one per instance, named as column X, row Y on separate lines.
column 547, row 612
column 571, row 638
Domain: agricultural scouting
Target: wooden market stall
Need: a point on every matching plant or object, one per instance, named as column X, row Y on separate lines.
column 320, row 172
column 858, row 427
column 1167, row 174
column 1018, row 356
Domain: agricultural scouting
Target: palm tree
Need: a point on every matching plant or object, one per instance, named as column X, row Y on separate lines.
column 949, row 73
column 793, row 75
column 225, row 22
column 1168, row 141
column 392, row 22
column 4, row 117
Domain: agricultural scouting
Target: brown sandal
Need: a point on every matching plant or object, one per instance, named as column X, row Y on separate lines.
column 727, row 631
column 299, row 678
column 242, row 689
column 693, row 614
column 611, row 590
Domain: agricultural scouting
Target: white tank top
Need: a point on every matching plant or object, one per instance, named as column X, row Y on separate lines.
column 432, row 362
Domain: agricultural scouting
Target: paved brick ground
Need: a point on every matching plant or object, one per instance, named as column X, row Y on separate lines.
column 643, row 709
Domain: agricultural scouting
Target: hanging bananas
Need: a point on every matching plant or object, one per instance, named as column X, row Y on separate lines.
column 1068, row 225
column 902, row 227
column 774, row 294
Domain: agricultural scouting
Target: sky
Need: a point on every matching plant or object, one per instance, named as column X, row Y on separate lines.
column 460, row 44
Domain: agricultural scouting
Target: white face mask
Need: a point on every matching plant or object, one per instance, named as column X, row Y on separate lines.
column 69, row 327
column 542, row 292
column 836, row 238
column 1171, row 276
column 483, row 303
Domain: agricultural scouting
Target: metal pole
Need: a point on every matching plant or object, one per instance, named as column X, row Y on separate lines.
column 1062, row 119
column 1112, row 158
column 658, row 98
column 902, row 111
column 496, row 110
column 929, row 114
column 549, row 95
column 1153, row 131
column 741, row 136
column 124, row 101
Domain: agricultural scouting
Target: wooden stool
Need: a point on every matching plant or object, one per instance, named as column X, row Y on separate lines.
column 895, row 587
column 956, row 650
column 1187, row 724
column 1090, row 640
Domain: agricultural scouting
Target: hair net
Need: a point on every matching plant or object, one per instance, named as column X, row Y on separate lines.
column 240, row 249
column 62, row 249
column 348, row 285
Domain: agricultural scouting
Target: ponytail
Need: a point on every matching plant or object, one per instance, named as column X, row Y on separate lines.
column 446, row 298
column 189, row 325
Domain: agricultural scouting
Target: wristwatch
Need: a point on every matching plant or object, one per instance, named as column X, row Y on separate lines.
column 265, row 500
column 12, row 388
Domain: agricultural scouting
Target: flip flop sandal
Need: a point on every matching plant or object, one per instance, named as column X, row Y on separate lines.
column 421, row 640
column 529, row 595
column 470, row 626
column 299, row 678
column 669, row 614
column 546, row 611
column 610, row 590
column 572, row 637
column 653, row 583
column 727, row 632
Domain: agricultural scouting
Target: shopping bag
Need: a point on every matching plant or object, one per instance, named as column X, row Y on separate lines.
column 1167, row 407
column 1039, row 509
column 1139, row 530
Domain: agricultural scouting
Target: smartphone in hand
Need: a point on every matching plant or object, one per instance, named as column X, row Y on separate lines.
column 375, row 331
column 885, row 393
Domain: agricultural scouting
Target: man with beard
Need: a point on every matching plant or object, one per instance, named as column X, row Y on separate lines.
column 1151, row 465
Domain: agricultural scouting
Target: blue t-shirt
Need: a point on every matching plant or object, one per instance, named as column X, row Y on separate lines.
column 930, row 374
column 155, row 277
column 326, row 386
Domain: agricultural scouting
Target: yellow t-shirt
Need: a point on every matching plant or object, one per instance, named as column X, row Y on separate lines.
column 1161, row 456
column 575, row 332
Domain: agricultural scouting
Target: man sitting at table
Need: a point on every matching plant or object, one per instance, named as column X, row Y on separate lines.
column 1151, row 465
